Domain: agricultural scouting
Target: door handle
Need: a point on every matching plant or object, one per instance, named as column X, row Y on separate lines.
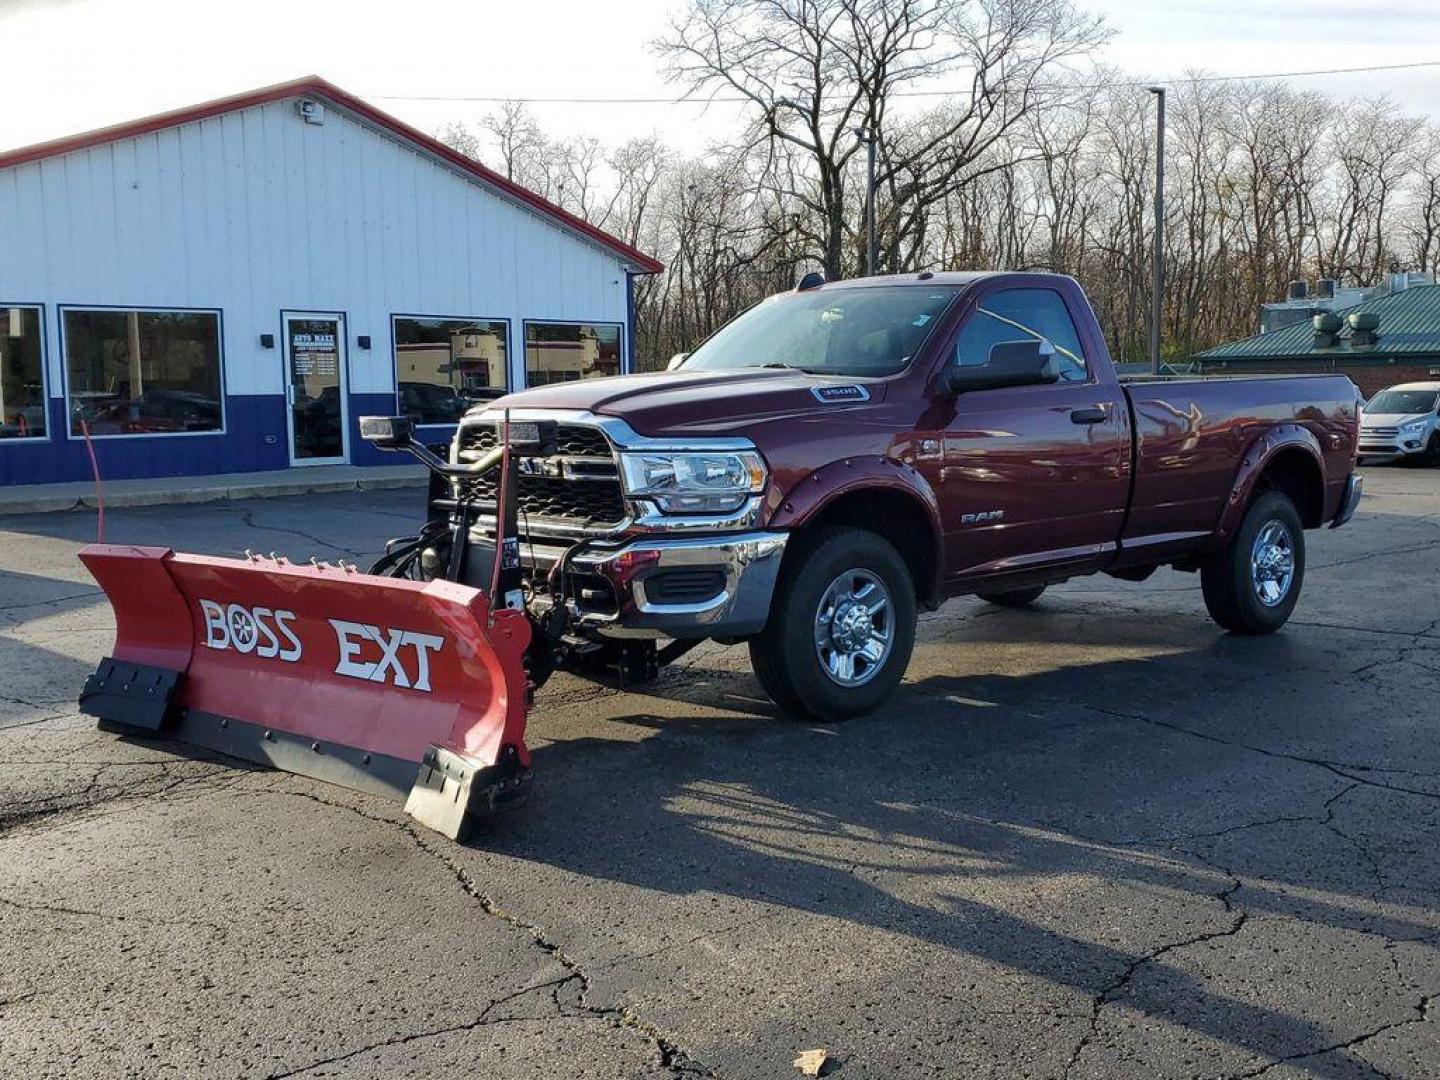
column 1092, row 415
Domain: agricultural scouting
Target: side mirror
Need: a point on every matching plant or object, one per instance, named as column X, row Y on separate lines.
column 387, row 432
column 676, row 361
column 1011, row 363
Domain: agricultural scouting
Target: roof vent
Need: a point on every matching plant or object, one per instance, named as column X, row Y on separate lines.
column 1299, row 290
column 1325, row 288
column 1327, row 326
column 310, row 110
column 1364, row 327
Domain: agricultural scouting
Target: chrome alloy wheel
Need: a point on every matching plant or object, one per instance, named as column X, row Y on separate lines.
column 853, row 628
column 1272, row 563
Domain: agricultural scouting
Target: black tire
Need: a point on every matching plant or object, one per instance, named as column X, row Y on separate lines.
column 1016, row 598
column 1432, row 451
column 785, row 655
column 1232, row 594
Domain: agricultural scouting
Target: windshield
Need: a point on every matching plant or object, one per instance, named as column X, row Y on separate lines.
column 870, row 331
column 1402, row 402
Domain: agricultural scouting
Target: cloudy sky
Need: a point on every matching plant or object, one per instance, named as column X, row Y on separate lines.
column 71, row 65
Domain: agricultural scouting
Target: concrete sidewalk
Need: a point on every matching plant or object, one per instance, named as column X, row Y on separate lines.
column 45, row 498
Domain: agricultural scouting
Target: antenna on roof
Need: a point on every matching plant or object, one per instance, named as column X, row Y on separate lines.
column 813, row 280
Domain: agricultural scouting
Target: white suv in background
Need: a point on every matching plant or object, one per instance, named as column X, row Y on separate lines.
column 1402, row 421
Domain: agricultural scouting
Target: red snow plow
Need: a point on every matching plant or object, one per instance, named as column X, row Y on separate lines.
column 410, row 688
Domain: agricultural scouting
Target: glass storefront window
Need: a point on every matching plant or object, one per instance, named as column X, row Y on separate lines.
column 142, row 372
column 22, row 374
column 444, row 366
column 563, row 352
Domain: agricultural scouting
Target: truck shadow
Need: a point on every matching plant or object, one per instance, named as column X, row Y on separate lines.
column 905, row 822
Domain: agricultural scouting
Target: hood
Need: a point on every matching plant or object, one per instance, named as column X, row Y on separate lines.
column 695, row 403
column 1392, row 419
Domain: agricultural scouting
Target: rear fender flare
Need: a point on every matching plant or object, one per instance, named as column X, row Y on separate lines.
column 827, row 485
column 1257, row 458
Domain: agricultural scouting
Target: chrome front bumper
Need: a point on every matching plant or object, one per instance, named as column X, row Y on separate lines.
column 1349, row 500
column 746, row 567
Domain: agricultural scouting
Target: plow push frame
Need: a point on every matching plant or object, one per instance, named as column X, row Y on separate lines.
column 383, row 682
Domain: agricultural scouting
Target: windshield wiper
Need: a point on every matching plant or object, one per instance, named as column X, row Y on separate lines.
column 789, row 367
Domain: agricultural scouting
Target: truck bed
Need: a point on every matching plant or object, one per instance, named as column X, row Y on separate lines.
column 1192, row 433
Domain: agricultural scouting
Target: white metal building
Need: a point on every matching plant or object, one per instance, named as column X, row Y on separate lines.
column 229, row 287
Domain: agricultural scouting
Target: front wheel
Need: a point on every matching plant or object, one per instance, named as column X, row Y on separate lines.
column 842, row 625
column 1252, row 586
column 1432, row 451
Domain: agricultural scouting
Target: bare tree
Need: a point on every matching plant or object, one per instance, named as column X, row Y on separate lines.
column 517, row 137
column 1371, row 145
column 815, row 71
column 460, row 139
column 1423, row 218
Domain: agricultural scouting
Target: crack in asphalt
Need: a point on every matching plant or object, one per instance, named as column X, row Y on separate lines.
column 52, row 600
column 1337, row 767
column 1118, row 985
column 1366, row 855
column 32, row 723
column 1422, row 1015
column 483, row 1020
column 17, row 816
column 248, row 517
column 59, row 909
column 1408, row 549
column 672, row 1057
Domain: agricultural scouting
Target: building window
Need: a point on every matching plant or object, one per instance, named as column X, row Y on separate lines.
column 22, row 374
column 563, row 352
column 142, row 372
column 444, row 366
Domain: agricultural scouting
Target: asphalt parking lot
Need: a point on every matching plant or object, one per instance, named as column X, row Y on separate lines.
column 1095, row 839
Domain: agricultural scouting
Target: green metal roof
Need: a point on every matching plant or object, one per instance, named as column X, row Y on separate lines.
column 1409, row 327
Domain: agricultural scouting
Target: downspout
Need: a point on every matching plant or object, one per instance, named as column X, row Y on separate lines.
column 629, row 322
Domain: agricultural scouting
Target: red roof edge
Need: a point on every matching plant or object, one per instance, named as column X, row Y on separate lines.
column 315, row 86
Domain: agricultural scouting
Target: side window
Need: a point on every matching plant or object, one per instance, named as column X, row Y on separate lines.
column 1022, row 315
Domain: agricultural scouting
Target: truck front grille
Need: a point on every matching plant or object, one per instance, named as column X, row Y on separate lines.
column 575, row 440
column 593, row 502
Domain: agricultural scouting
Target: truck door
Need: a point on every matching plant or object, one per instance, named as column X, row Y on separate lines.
column 1033, row 479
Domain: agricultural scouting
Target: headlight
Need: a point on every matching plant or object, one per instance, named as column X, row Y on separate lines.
column 693, row 482
column 1413, row 428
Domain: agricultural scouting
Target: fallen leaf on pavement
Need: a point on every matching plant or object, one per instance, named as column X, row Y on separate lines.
column 810, row 1062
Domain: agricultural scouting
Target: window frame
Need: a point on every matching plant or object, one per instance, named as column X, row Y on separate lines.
column 973, row 309
column 49, row 435
column 525, row 341
column 219, row 313
column 395, row 353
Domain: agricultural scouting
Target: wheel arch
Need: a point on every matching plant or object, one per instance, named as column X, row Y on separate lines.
column 1286, row 458
column 882, row 496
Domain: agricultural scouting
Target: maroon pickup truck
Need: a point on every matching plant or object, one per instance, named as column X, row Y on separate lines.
column 840, row 457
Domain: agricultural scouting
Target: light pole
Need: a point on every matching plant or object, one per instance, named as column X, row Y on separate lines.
column 1157, row 284
column 866, row 135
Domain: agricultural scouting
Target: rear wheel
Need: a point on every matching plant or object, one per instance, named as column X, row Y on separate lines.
column 1252, row 586
column 842, row 625
column 1016, row 598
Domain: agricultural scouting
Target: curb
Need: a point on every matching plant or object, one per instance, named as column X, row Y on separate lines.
column 48, row 504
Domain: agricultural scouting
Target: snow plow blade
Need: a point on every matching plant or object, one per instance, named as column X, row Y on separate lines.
column 410, row 689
